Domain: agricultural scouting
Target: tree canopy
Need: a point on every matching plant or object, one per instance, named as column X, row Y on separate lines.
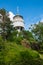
column 37, row 30
column 6, row 25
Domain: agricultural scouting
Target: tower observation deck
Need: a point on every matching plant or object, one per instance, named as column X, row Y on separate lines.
column 18, row 22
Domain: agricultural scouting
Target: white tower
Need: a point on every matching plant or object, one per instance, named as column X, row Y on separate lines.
column 18, row 22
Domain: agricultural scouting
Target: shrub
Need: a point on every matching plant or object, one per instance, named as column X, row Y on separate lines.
column 18, row 40
column 24, row 58
column 17, row 55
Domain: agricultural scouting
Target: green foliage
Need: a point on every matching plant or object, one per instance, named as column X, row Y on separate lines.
column 37, row 29
column 2, row 47
column 3, row 11
column 35, row 46
column 0, row 39
column 27, row 34
column 18, row 40
column 14, row 54
column 6, row 25
column 24, row 58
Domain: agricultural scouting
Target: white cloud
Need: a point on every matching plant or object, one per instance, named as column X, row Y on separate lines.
column 41, row 20
column 11, row 15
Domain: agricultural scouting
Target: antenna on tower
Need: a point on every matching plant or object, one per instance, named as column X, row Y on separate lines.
column 17, row 10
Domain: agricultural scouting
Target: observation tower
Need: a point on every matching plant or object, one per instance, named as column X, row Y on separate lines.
column 18, row 22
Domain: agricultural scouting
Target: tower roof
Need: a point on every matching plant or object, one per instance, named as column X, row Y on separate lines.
column 18, row 16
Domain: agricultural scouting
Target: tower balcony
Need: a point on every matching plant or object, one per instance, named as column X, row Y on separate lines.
column 18, row 24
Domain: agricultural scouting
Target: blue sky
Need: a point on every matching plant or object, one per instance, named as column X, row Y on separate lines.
column 31, row 10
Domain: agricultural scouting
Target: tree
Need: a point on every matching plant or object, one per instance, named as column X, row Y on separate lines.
column 6, row 25
column 37, row 30
column 28, row 35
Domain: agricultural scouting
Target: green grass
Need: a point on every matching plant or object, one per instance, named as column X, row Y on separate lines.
column 41, row 56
